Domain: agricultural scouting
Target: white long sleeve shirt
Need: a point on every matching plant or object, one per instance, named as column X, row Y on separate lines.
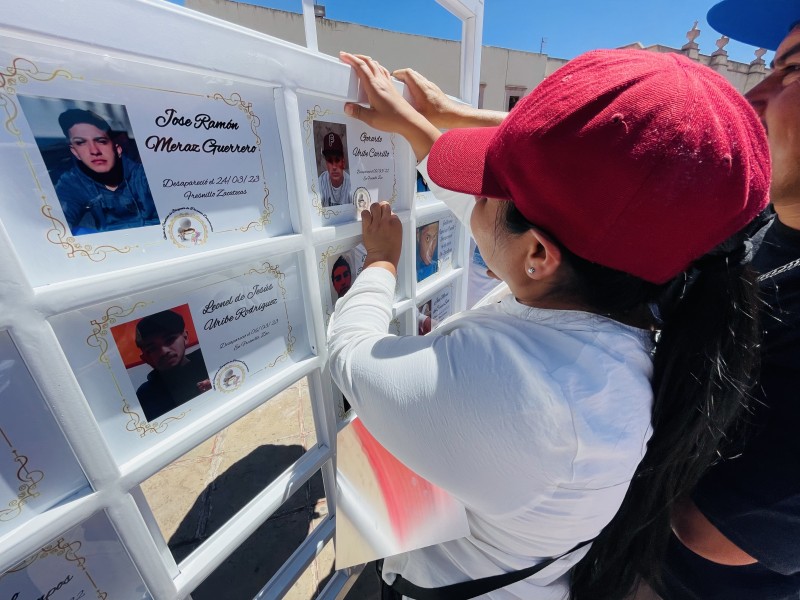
column 535, row 419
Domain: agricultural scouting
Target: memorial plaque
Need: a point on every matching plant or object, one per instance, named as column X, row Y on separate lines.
column 349, row 165
column 435, row 310
column 86, row 562
column 146, row 362
column 109, row 163
column 338, row 267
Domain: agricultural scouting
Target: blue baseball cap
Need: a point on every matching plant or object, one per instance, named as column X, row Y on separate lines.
column 762, row 23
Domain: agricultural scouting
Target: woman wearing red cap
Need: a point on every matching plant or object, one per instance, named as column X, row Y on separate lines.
column 607, row 201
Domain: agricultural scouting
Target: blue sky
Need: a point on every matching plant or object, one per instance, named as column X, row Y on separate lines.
column 568, row 26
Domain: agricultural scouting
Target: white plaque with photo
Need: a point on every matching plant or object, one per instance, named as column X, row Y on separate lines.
column 431, row 313
column 111, row 163
column 148, row 362
column 37, row 467
column 87, row 562
column 436, row 243
column 349, row 165
column 338, row 267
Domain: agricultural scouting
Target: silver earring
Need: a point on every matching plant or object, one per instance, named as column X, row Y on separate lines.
column 531, row 270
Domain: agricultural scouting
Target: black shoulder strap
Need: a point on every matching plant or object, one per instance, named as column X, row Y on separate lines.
column 475, row 587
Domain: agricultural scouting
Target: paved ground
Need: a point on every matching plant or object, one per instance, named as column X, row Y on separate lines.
column 195, row 495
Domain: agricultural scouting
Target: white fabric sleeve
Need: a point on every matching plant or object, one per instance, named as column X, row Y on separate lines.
column 425, row 398
column 461, row 205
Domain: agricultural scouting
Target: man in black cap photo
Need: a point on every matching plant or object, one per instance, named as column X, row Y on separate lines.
column 177, row 376
column 334, row 182
column 104, row 190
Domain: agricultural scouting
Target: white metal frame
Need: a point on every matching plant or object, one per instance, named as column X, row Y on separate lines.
column 24, row 310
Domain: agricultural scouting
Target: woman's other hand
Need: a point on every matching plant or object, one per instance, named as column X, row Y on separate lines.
column 436, row 107
column 388, row 110
column 382, row 236
column 429, row 100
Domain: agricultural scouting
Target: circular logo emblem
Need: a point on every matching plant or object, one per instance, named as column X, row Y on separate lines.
column 187, row 229
column 230, row 376
column 362, row 199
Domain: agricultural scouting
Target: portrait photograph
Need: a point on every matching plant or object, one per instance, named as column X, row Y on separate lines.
column 343, row 271
column 91, row 156
column 330, row 153
column 427, row 250
column 163, row 358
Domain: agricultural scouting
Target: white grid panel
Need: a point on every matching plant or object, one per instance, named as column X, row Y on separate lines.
column 161, row 37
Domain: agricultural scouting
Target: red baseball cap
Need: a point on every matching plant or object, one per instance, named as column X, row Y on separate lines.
column 637, row 161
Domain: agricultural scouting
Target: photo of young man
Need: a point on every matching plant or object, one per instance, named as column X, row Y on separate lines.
column 427, row 250
column 334, row 178
column 177, row 370
column 98, row 186
column 341, row 276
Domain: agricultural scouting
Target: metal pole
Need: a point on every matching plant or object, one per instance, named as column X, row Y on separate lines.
column 471, row 14
column 310, row 25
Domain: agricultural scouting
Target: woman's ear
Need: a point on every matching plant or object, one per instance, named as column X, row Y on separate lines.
column 544, row 256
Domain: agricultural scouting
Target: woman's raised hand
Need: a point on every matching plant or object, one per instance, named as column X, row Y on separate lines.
column 382, row 236
column 430, row 100
column 440, row 110
column 388, row 110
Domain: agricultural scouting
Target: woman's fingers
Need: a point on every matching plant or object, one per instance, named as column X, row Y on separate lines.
column 382, row 234
column 362, row 113
column 388, row 110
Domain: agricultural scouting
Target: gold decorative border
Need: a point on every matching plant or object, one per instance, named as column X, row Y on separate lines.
column 15, row 74
column 97, row 339
column 22, row 71
column 280, row 277
column 323, row 258
column 246, row 107
column 28, row 483
column 311, row 115
column 67, row 550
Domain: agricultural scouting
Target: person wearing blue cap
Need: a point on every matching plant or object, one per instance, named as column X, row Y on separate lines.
column 738, row 536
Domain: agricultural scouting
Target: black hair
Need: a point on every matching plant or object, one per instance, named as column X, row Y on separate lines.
column 166, row 322
column 77, row 115
column 340, row 262
column 704, row 364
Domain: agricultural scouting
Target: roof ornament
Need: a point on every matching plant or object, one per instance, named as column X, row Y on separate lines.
column 692, row 35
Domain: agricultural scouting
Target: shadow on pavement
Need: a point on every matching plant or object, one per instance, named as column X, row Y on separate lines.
column 246, row 571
